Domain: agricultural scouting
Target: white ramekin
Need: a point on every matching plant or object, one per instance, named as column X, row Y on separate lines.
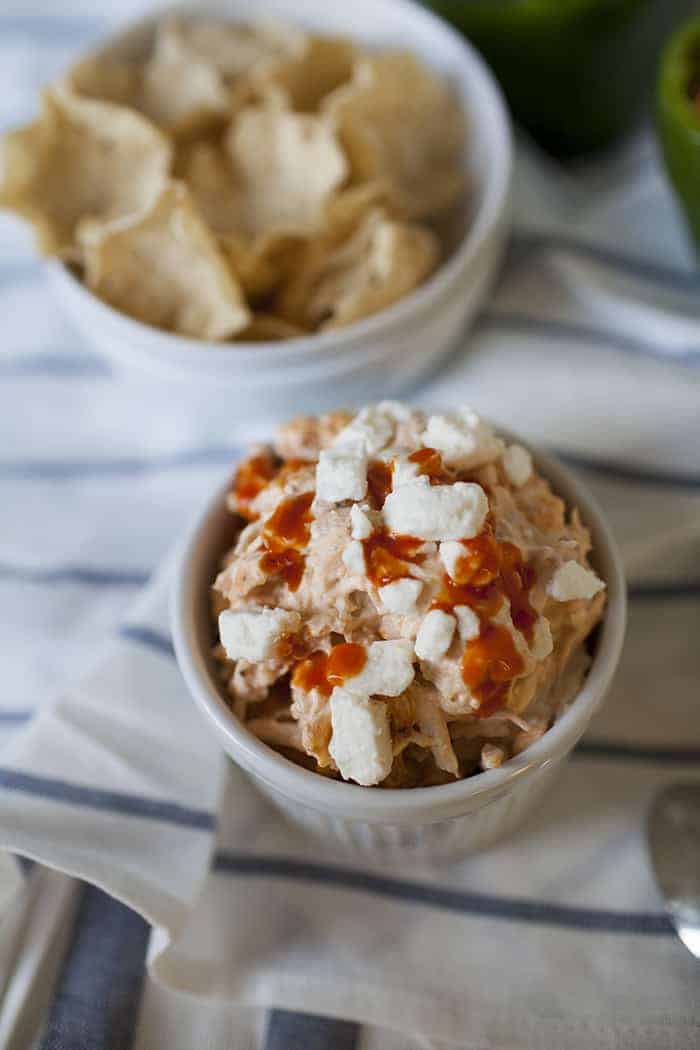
column 451, row 819
column 392, row 350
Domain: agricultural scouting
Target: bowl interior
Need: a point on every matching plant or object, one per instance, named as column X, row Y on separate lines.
column 397, row 24
column 193, row 635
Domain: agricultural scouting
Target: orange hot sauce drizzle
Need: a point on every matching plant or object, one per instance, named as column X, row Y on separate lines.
column 285, row 535
column 324, row 671
column 252, row 476
column 379, row 480
column 380, row 474
column 430, row 465
column 389, row 557
column 488, row 572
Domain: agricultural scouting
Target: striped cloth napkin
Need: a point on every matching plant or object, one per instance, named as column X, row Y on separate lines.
column 590, row 344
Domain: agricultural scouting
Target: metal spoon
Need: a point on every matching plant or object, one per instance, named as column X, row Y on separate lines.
column 673, row 833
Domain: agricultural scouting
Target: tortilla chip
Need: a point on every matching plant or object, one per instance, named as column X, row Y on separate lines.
column 305, row 80
column 399, row 122
column 164, row 268
column 106, row 79
column 233, row 50
column 380, row 262
column 209, row 176
column 181, row 92
column 345, row 210
column 262, row 265
column 302, row 208
column 265, row 328
column 287, row 165
column 183, row 98
column 81, row 160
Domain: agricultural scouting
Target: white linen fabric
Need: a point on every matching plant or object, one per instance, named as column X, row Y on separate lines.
column 590, row 344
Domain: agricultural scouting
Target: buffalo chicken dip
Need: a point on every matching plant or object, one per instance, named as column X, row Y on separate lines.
column 407, row 600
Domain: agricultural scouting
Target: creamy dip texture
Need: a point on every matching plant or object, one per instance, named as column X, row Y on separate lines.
column 407, row 600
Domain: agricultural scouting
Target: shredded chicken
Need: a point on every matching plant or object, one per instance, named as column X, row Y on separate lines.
column 438, row 726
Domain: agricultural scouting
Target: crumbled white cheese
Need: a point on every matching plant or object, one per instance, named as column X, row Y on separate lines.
column 370, row 431
column 450, row 553
column 403, row 472
column 463, row 438
column 491, row 756
column 517, row 463
column 436, row 512
column 361, row 526
column 572, row 581
column 400, row 596
column 542, row 643
column 387, row 672
column 341, row 475
column 354, row 558
column 435, row 635
column 395, row 410
column 253, row 635
column 468, row 623
column 360, row 744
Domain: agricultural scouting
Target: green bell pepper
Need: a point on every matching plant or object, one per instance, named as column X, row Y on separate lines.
column 577, row 73
column 678, row 118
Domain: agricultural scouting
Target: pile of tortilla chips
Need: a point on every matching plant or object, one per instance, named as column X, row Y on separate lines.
column 242, row 182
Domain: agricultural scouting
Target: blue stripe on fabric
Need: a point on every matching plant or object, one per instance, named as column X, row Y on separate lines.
column 94, row 577
column 650, row 592
column 126, row 804
column 52, row 29
column 638, row 475
column 78, row 574
column 91, row 576
column 17, row 271
column 633, row 753
column 87, row 469
column 605, row 339
column 51, row 364
column 672, row 277
column 482, row 905
column 54, row 366
column 17, row 716
column 148, row 637
column 79, row 470
column 291, row 1031
column 118, row 802
column 98, row 992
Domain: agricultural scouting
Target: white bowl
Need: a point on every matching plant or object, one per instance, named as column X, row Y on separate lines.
column 449, row 819
column 385, row 353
